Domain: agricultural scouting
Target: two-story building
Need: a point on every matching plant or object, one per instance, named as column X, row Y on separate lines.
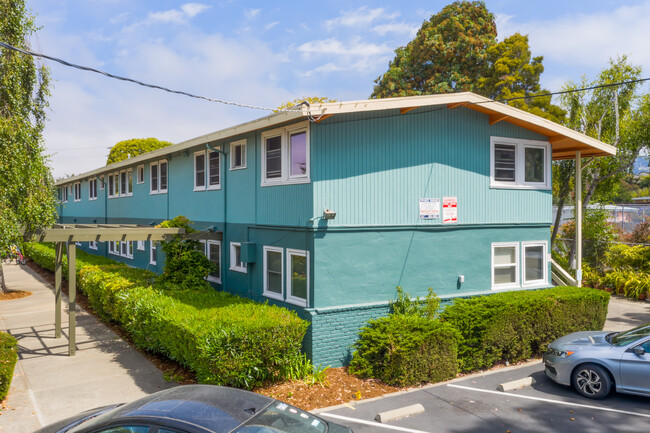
column 326, row 209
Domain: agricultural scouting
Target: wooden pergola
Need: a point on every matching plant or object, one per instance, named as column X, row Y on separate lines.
column 68, row 234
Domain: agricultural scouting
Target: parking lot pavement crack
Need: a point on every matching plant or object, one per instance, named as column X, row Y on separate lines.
column 450, row 403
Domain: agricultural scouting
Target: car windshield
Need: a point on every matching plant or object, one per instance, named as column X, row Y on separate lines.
column 627, row 337
column 282, row 418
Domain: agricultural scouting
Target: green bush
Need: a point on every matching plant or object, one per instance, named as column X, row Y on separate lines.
column 405, row 350
column 8, row 358
column 224, row 339
column 515, row 326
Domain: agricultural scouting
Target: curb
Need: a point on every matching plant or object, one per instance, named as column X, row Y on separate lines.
column 516, row 384
column 399, row 413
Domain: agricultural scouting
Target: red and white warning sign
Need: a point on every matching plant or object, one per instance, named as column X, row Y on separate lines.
column 449, row 210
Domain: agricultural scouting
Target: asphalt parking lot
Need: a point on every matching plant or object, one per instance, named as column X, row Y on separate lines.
column 474, row 405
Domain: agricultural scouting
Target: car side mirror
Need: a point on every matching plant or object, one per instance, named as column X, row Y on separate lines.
column 639, row 351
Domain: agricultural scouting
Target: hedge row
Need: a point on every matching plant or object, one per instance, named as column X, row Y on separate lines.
column 474, row 333
column 224, row 339
column 8, row 358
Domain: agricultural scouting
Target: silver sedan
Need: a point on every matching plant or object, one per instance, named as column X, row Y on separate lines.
column 596, row 362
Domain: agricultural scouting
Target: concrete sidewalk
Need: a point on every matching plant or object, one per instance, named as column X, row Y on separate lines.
column 49, row 385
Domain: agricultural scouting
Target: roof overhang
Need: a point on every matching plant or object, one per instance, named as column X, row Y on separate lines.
column 565, row 142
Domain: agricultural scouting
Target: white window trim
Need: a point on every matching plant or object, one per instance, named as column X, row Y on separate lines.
column 101, row 183
column 207, row 170
column 205, row 174
column 211, row 278
column 140, row 169
column 163, row 161
column 151, row 188
column 293, row 299
column 237, row 267
column 129, row 174
column 126, row 181
column 152, row 247
column 285, row 134
column 108, row 184
column 140, row 245
column 92, row 245
column 232, row 154
column 544, row 280
column 267, row 293
column 77, row 186
column 92, row 182
column 64, row 194
column 517, row 266
column 116, row 184
column 520, row 147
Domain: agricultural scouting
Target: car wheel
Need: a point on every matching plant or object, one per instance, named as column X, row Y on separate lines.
column 591, row 381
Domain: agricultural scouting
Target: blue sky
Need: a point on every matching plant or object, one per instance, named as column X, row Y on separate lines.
column 264, row 53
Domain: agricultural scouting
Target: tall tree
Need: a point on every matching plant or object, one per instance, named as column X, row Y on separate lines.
column 448, row 54
column 27, row 197
column 136, row 146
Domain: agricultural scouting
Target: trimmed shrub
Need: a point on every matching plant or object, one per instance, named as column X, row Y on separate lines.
column 224, row 339
column 8, row 358
column 406, row 350
column 515, row 326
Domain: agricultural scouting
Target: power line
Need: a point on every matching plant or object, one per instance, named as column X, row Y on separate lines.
column 153, row 86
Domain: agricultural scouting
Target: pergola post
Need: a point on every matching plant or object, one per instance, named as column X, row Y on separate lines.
column 58, row 266
column 578, row 207
column 72, row 297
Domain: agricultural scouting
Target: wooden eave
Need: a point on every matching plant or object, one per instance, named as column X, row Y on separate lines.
column 103, row 233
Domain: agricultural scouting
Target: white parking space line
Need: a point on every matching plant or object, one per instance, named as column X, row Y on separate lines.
column 547, row 400
column 372, row 423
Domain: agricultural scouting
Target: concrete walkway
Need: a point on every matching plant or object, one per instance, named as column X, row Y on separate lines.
column 49, row 385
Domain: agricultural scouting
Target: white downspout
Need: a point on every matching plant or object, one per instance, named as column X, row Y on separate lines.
column 578, row 207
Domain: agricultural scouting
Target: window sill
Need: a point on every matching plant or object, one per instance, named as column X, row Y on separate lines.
column 213, row 188
column 273, row 295
column 92, row 199
column 286, row 182
column 506, row 287
column 501, row 185
column 214, row 280
column 297, row 301
column 238, row 269
column 242, row 167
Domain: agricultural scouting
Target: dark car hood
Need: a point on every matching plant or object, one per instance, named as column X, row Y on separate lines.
column 75, row 420
column 586, row 338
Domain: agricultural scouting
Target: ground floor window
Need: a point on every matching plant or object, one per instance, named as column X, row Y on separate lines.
column 152, row 253
column 92, row 245
column 212, row 250
column 292, row 288
column 121, row 248
column 510, row 270
column 235, row 258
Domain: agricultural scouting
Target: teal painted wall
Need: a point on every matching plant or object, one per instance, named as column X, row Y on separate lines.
column 373, row 170
column 360, row 266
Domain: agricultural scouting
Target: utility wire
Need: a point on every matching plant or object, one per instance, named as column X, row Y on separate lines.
column 153, row 86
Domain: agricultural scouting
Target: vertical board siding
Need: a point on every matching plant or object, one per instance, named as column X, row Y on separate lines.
column 373, row 171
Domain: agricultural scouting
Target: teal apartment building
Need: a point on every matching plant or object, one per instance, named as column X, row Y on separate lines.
column 325, row 209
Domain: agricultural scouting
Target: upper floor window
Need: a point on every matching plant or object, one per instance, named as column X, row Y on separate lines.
column 140, row 174
column 92, row 189
column 116, row 184
column 77, row 191
column 517, row 163
column 285, row 155
column 111, row 185
column 101, row 183
column 158, row 177
column 206, row 170
column 238, row 155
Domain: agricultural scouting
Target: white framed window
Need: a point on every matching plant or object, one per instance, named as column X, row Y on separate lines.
column 64, row 194
column 92, row 245
column 140, row 174
column 77, row 191
column 140, row 245
column 298, row 277
column 273, row 278
column 285, row 155
column 238, row 155
column 113, row 247
column 123, row 182
column 505, row 265
column 213, row 252
column 116, row 184
column 92, row 189
column 158, row 177
column 153, row 253
column 199, row 171
column 111, row 187
column 518, row 163
column 129, row 182
column 101, row 183
column 214, row 170
column 535, row 263
column 235, row 258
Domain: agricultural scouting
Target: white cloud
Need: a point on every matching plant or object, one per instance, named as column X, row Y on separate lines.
column 193, row 9
column 399, row 28
column 178, row 16
column 354, row 55
column 269, row 26
column 252, row 13
column 359, row 17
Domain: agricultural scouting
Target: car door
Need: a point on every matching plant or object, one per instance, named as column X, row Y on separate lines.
column 635, row 369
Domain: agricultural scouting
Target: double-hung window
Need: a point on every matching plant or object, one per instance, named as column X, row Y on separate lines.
column 77, row 191
column 111, row 182
column 140, row 174
column 158, row 177
column 273, row 275
column 297, row 277
column 206, row 170
column 116, row 184
column 129, row 182
column 64, row 194
column 517, row 163
column 123, row 183
column 285, row 155
column 92, row 189
column 510, row 269
column 286, row 280
column 236, row 263
column 238, row 155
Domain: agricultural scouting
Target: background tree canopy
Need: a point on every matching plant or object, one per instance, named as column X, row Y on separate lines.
column 457, row 51
column 26, row 186
column 136, row 146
